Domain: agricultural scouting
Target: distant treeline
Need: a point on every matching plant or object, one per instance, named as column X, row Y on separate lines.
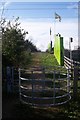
column 30, row 46
column 75, row 54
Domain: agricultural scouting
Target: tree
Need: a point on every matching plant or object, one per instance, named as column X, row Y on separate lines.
column 30, row 46
column 13, row 42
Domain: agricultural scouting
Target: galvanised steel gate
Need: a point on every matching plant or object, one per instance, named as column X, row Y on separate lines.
column 44, row 86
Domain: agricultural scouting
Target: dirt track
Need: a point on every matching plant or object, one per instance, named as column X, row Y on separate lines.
column 13, row 109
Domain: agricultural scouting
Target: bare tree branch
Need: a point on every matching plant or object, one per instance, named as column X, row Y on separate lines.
column 2, row 12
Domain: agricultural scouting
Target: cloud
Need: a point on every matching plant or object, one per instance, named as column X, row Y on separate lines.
column 74, row 44
column 68, row 28
column 73, row 6
column 40, row 31
column 43, row 33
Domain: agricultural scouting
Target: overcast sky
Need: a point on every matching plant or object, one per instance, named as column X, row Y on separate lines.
column 38, row 17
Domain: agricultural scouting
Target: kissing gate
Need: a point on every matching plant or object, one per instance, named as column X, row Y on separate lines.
column 44, row 86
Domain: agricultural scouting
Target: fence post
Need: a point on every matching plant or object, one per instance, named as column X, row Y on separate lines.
column 19, row 83
column 54, row 92
column 9, row 90
column 32, row 87
column 68, row 81
column 12, row 79
column 43, row 78
column 75, row 82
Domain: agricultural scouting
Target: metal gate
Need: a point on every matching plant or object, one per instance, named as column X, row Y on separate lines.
column 44, row 86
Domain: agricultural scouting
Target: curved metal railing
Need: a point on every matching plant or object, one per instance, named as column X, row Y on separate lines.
column 44, row 87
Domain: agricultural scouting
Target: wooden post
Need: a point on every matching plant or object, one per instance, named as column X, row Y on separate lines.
column 54, row 92
column 9, row 79
column 43, row 78
column 12, row 79
column 19, row 84
column 32, row 87
column 75, row 81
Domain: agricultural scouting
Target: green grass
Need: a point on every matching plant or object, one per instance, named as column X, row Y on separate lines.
column 42, row 59
column 48, row 59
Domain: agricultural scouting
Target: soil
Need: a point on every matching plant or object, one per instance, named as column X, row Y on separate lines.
column 14, row 109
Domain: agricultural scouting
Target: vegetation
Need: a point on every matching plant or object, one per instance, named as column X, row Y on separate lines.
column 13, row 108
column 75, row 54
column 16, row 50
column 48, row 59
column 43, row 59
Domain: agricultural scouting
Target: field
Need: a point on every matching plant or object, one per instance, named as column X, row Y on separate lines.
column 13, row 108
column 43, row 59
